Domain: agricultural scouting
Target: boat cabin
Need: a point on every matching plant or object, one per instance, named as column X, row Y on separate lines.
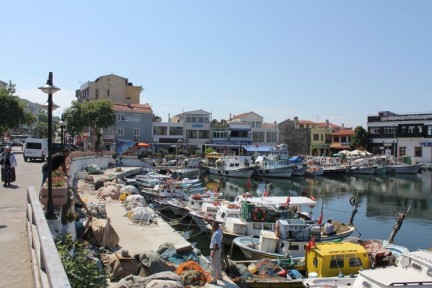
column 330, row 259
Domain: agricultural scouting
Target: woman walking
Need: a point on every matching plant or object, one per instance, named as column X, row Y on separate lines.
column 8, row 164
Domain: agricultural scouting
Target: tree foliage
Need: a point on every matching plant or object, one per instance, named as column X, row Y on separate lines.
column 360, row 138
column 12, row 111
column 96, row 114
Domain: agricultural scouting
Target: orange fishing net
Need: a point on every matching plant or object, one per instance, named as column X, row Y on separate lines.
column 191, row 265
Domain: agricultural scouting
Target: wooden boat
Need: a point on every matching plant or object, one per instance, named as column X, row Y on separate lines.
column 275, row 164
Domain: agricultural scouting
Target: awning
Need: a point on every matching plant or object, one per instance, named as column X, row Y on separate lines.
column 258, row 148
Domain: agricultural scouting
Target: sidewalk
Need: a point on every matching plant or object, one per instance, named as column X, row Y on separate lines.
column 15, row 259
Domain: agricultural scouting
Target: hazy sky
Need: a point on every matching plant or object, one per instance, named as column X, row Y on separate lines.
column 336, row 60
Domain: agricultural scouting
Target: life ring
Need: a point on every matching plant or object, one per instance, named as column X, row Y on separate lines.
column 196, row 197
column 331, row 161
column 258, row 214
column 354, row 202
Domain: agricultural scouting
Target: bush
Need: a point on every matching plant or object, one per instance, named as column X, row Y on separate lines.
column 81, row 270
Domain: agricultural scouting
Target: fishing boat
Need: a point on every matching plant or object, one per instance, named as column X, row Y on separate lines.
column 233, row 166
column 279, row 245
column 275, row 164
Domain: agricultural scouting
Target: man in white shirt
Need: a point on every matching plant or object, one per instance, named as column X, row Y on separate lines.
column 216, row 253
column 329, row 228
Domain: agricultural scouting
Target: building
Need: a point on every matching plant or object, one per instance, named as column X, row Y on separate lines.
column 341, row 139
column 401, row 135
column 261, row 133
column 134, row 124
column 3, row 85
column 185, row 133
column 115, row 88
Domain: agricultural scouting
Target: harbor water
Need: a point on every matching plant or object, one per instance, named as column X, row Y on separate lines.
column 380, row 198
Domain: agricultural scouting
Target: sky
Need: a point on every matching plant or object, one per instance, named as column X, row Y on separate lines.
column 316, row 60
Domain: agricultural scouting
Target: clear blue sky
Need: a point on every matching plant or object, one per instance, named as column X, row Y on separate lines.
column 336, row 60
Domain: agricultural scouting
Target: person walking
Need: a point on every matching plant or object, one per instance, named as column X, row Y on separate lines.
column 8, row 164
column 58, row 160
column 216, row 253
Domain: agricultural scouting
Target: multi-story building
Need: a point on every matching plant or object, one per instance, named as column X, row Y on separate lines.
column 401, row 135
column 133, row 124
column 112, row 87
column 341, row 139
column 184, row 133
column 261, row 133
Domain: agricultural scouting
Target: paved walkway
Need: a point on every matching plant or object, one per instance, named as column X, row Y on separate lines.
column 15, row 259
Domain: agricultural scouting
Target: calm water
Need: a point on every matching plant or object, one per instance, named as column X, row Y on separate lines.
column 381, row 197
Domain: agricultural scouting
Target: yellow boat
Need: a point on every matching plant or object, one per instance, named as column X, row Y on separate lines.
column 330, row 259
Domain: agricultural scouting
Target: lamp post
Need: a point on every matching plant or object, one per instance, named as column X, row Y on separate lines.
column 62, row 126
column 49, row 89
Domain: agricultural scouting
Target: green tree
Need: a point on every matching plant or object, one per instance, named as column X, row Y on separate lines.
column 12, row 111
column 360, row 138
column 96, row 114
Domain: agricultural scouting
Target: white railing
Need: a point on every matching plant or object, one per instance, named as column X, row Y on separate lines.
column 48, row 270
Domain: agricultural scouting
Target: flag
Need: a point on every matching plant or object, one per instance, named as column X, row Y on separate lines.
column 311, row 244
column 248, row 184
column 287, row 202
column 321, row 215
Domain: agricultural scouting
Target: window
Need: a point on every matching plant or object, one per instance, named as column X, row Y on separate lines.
column 374, row 130
column 420, row 129
column 120, row 132
column 390, row 130
column 355, row 262
column 315, row 261
column 137, row 118
column 160, row 130
column 418, row 151
column 175, row 131
column 272, row 137
column 108, row 93
column 411, row 129
column 322, row 137
column 136, row 132
column 429, row 130
column 191, row 134
column 120, row 117
column 258, row 137
column 402, row 151
column 203, row 134
column 366, row 284
column 315, row 137
column 336, row 263
column 191, row 119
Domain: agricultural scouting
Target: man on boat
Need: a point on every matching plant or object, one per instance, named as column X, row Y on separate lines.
column 329, row 228
column 216, row 253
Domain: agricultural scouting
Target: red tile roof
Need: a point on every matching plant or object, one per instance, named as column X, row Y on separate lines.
column 344, row 132
column 138, row 108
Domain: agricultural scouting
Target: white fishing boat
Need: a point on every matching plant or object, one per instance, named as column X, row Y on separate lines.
column 333, row 165
column 362, row 166
column 403, row 168
column 233, row 166
column 414, row 270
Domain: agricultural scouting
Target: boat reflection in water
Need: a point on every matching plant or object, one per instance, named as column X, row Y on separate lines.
column 380, row 197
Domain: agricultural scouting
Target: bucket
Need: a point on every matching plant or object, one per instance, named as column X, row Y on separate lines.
column 252, row 268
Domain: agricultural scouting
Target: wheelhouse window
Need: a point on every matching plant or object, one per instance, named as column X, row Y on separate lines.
column 336, row 263
column 355, row 262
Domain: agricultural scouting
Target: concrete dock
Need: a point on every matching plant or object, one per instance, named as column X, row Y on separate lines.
column 135, row 237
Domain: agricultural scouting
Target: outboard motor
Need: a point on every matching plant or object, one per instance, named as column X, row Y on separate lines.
column 315, row 232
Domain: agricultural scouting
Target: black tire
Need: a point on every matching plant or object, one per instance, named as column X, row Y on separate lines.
column 25, row 159
column 354, row 202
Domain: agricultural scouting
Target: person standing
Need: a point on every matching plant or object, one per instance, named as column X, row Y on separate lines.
column 8, row 164
column 216, row 253
column 58, row 160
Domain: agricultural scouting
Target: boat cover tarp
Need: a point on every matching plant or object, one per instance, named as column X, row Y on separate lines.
column 165, row 279
column 101, row 233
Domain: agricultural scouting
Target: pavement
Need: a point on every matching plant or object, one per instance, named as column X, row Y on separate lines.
column 15, row 256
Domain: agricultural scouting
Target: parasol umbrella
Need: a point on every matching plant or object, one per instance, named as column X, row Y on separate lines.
column 143, row 145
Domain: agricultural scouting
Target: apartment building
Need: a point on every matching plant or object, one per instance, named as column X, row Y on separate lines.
column 400, row 135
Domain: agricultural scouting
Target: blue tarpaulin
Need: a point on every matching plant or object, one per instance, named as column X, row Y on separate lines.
column 123, row 146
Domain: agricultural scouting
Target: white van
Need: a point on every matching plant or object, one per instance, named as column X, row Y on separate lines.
column 35, row 148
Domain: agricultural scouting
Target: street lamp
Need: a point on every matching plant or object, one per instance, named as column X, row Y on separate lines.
column 62, row 126
column 49, row 89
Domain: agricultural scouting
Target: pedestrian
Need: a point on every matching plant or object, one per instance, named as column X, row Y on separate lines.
column 8, row 164
column 58, row 160
column 216, row 253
